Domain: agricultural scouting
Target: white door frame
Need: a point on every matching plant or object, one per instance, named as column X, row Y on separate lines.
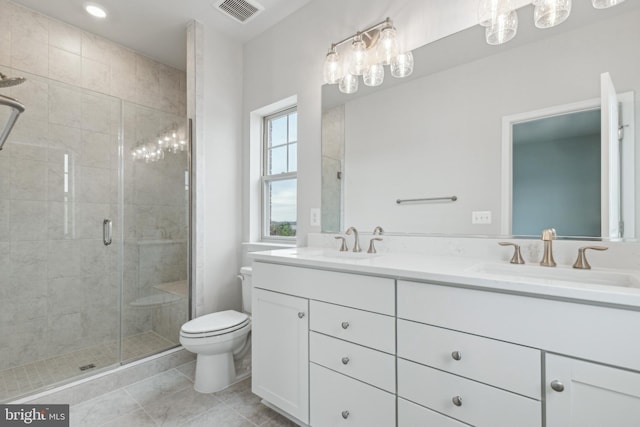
column 628, row 156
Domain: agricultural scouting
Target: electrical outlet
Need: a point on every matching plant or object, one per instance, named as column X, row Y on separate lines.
column 481, row 217
column 314, row 217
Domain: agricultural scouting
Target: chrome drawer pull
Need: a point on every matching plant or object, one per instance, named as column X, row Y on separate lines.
column 345, row 360
column 345, row 414
column 457, row 400
column 345, row 325
column 557, row 386
column 301, row 314
column 456, row 355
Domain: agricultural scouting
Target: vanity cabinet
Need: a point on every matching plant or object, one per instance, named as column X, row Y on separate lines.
column 583, row 394
column 349, row 339
column 333, row 348
column 280, row 351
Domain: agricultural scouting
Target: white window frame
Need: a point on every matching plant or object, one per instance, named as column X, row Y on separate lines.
column 267, row 179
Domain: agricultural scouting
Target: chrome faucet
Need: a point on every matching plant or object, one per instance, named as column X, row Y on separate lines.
column 548, row 235
column 356, row 242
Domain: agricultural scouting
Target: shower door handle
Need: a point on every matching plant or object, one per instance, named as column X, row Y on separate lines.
column 107, row 229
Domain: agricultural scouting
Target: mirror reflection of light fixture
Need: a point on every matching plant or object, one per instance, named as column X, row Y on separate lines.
column 603, row 4
column 503, row 29
column 171, row 140
column 499, row 19
column 369, row 52
column 402, row 65
column 549, row 13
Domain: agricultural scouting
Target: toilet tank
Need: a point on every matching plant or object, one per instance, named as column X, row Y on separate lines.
column 245, row 276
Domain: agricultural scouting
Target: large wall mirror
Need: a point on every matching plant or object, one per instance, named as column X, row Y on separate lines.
column 448, row 131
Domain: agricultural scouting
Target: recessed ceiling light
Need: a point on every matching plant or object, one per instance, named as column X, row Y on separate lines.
column 95, row 10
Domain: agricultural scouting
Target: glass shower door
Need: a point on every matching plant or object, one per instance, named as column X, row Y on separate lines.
column 59, row 282
column 156, row 214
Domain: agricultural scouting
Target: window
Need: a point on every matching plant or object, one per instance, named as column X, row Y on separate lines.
column 279, row 176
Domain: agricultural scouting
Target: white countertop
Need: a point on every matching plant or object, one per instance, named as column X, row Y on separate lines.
column 622, row 287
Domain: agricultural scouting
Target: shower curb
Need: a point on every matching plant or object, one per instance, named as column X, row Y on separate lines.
column 104, row 382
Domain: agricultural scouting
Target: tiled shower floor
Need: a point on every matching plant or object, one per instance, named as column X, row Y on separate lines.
column 29, row 378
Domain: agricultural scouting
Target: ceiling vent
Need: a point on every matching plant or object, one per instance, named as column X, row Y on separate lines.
column 240, row 10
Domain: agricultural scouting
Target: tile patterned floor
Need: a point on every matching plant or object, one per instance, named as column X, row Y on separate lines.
column 168, row 399
column 29, row 378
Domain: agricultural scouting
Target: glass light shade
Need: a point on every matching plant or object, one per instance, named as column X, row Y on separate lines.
column 348, row 84
column 503, row 30
column 549, row 13
column 374, row 76
column 402, row 65
column 489, row 11
column 387, row 47
column 358, row 57
column 603, row 4
column 332, row 68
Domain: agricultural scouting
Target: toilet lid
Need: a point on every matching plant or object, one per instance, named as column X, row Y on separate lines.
column 213, row 322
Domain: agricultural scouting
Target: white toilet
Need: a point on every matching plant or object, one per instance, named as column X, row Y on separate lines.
column 216, row 338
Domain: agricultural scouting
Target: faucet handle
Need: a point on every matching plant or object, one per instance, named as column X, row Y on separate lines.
column 548, row 234
column 372, row 248
column 343, row 245
column 378, row 230
column 582, row 263
column 517, row 256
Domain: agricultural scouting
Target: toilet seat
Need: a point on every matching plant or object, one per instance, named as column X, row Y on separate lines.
column 214, row 324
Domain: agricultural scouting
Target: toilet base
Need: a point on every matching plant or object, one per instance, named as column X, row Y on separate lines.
column 214, row 372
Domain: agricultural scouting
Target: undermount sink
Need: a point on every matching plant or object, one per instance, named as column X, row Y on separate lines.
column 334, row 253
column 560, row 273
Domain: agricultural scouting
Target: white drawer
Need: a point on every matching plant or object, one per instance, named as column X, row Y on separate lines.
column 337, row 400
column 361, row 327
column 481, row 405
column 354, row 290
column 412, row 415
column 508, row 366
column 362, row 363
column 554, row 326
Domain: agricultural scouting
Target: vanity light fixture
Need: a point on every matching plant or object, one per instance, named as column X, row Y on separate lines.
column 499, row 19
column 603, row 4
column 95, row 10
column 549, row 13
column 369, row 52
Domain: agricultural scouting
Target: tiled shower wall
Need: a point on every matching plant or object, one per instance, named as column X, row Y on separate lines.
column 59, row 287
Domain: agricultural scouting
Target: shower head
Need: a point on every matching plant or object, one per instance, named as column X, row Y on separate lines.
column 16, row 109
column 10, row 81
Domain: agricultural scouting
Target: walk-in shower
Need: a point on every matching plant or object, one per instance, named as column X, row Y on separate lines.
column 16, row 107
column 70, row 305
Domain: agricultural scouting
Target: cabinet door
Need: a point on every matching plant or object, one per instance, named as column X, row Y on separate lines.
column 592, row 394
column 280, row 351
